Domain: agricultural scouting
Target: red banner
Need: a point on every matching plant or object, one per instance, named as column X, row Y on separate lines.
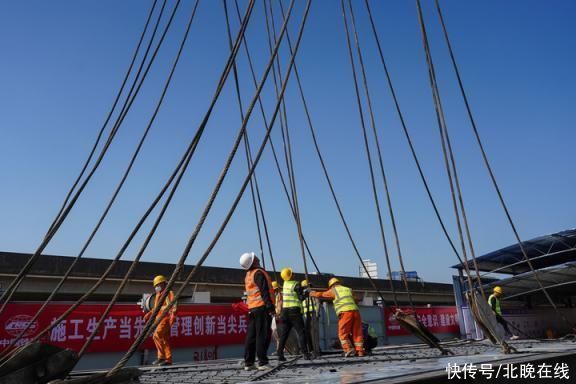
column 436, row 319
column 195, row 325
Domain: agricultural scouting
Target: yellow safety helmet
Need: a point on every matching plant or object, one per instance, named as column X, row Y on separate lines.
column 286, row 274
column 498, row 290
column 275, row 285
column 304, row 283
column 332, row 282
column 158, row 280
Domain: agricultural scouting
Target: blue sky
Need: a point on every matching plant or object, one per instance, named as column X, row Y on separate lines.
column 62, row 63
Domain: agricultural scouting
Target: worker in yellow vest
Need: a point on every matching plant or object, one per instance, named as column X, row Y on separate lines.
column 494, row 302
column 161, row 334
column 349, row 319
column 291, row 314
column 309, row 310
column 260, row 301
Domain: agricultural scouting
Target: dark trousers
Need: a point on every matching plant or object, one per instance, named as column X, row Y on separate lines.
column 370, row 343
column 258, row 336
column 291, row 318
column 308, row 324
column 504, row 323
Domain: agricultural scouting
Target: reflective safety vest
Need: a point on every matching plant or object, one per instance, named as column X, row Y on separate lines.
column 289, row 295
column 497, row 309
column 167, row 301
column 308, row 305
column 371, row 332
column 343, row 299
column 254, row 296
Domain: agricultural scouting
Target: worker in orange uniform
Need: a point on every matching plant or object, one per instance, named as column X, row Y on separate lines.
column 260, row 300
column 349, row 320
column 161, row 335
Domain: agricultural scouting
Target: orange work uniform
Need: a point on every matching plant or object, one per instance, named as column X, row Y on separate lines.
column 161, row 335
column 349, row 320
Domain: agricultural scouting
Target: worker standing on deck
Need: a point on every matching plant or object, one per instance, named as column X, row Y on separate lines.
column 349, row 320
column 310, row 311
column 494, row 302
column 161, row 335
column 291, row 315
column 260, row 301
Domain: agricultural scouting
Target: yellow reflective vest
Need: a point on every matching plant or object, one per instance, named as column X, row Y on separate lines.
column 495, row 306
column 308, row 305
column 343, row 299
column 289, row 296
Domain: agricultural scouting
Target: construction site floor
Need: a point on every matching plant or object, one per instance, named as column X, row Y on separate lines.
column 392, row 364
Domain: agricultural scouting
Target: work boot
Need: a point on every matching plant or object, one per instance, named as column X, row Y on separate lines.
column 164, row 363
column 264, row 367
column 514, row 337
column 350, row 353
column 158, row 362
column 281, row 358
column 249, row 367
column 307, row 356
column 360, row 354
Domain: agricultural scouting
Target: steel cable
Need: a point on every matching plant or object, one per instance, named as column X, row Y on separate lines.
column 164, row 91
column 7, row 295
column 108, row 117
column 365, row 137
column 325, row 169
column 450, row 165
column 111, row 201
column 287, row 144
column 253, row 181
column 489, row 167
column 272, row 146
column 176, row 174
column 88, row 241
column 153, row 321
column 382, row 170
column 407, row 133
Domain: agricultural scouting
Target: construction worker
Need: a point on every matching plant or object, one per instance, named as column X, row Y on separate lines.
column 349, row 320
column 260, row 301
column 309, row 310
column 161, row 335
column 370, row 337
column 291, row 314
column 494, row 302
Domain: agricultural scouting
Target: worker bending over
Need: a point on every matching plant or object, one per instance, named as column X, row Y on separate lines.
column 260, row 300
column 349, row 320
column 291, row 314
column 310, row 312
column 161, row 335
column 370, row 338
column 494, row 302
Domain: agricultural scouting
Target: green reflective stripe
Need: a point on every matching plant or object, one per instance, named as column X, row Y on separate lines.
column 289, row 296
column 498, row 307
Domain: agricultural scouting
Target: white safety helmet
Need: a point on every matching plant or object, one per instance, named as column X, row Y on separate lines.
column 247, row 259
